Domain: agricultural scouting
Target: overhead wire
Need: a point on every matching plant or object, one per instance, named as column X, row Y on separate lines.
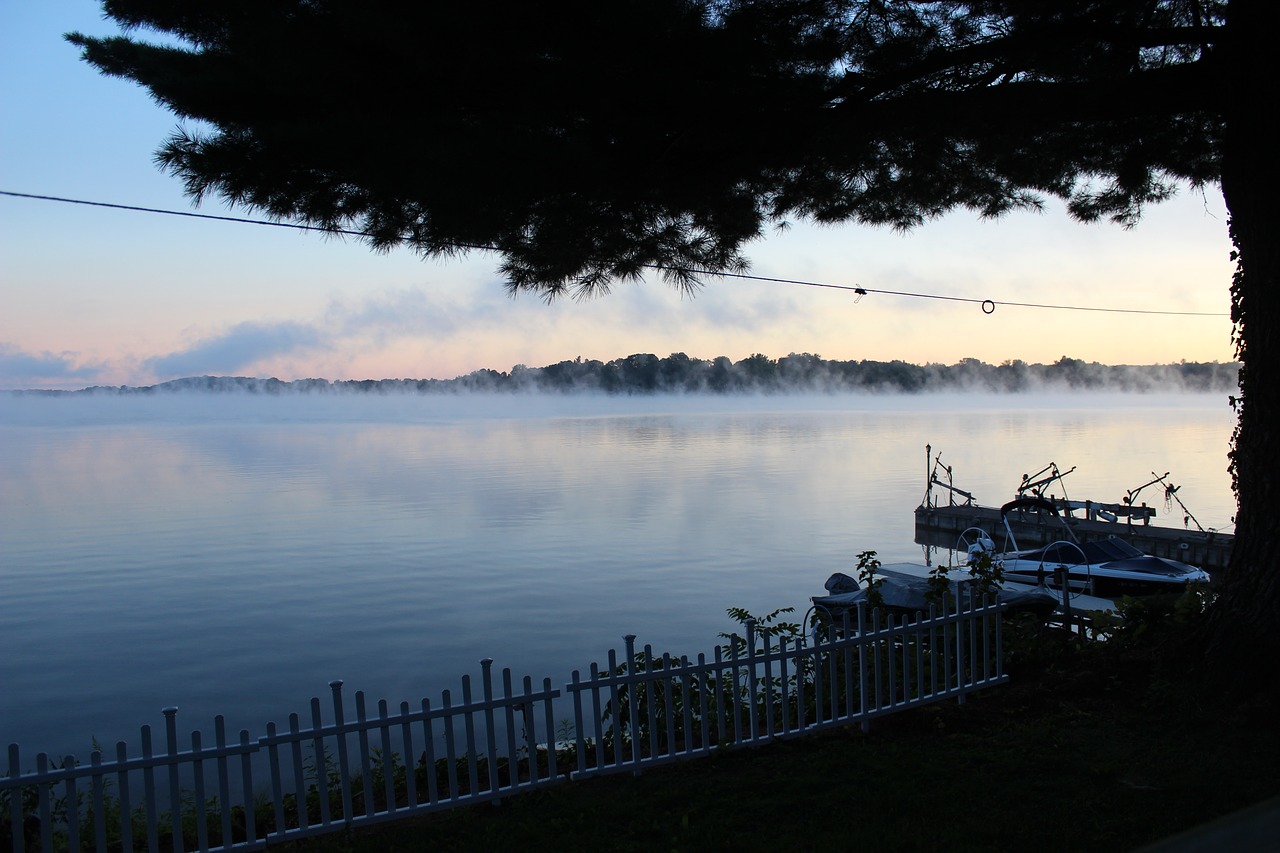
column 988, row 305
column 862, row 291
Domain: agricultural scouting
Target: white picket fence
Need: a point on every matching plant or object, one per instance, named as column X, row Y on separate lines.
column 243, row 793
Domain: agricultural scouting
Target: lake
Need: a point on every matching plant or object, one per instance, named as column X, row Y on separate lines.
column 232, row 554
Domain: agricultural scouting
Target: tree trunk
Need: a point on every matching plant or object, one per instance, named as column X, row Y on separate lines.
column 1245, row 623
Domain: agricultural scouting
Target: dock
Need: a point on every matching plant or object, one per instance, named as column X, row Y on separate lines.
column 941, row 525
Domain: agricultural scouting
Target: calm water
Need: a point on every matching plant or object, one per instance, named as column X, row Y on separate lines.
column 233, row 555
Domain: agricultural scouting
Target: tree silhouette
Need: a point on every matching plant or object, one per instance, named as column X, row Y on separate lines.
column 589, row 143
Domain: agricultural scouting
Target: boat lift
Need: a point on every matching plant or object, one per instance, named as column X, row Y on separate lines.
column 932, row 480
column 1037, row 486
column 1170, row 497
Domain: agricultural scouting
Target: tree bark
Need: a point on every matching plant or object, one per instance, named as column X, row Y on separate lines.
column 1244, row 626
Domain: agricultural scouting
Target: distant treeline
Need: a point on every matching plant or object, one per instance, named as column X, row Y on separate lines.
column 757, row 374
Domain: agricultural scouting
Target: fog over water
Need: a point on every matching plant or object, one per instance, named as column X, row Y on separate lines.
column 232, row 553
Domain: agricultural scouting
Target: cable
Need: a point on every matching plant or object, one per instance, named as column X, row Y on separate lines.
column 861, row 291
column 184, row 213
column 240, row 219
column 988, row 305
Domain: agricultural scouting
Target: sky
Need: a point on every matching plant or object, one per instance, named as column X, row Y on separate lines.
column 92, row 296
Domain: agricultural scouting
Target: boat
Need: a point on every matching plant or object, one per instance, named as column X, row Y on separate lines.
column 1105, row 568
column 906, row 591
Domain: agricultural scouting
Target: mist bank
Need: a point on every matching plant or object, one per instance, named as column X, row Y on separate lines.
column 803, row 373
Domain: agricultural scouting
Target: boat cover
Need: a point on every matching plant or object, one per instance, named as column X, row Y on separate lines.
column 908, row 592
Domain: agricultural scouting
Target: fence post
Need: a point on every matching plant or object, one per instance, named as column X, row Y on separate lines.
column 752, row 687
column 597, row 716
column 491, row 744
column 202, row 819
column 986, row 637
column 277, row 779
column 689, row 691
column 16, row 817
column 344, row 767
column 934, row 656
column 580, row 740
column 513, row 753
column 410, row 776
column 429, row 753
column 72, row 805
column 717, row 686
column 652, row 697
column 876, row 647
column 126, row 806
column 224, row 785
column 148, row 792
column 962, row 681
column 999, row 637
column 529, row 724
column 549, row 715
column 46, row 807
column 175, row 793
column 669, row 704
column 634, row 689
column 862, row 664
column 450, row 749
column 469, row 732
column 388, row 765
column 321, row 760
column 246, row 777
column 891, row 659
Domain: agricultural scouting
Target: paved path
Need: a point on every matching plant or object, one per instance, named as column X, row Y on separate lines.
column 1252, row 830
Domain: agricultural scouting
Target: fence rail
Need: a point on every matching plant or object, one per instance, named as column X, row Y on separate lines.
column 320, row 776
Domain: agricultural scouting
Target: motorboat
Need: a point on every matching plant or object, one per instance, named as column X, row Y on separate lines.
column 906, row 590
column 1106, row 568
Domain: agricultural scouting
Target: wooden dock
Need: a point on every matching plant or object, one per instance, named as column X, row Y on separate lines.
column 940, row 526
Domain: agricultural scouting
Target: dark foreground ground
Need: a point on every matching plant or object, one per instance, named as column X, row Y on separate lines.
column 1083, row 752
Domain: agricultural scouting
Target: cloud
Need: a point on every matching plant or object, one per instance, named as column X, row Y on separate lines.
column 394, row 313
column 437, row 331
column 237, row 348
column 20, row 369
column 347, row 326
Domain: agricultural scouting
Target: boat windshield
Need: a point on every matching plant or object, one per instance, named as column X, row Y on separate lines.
column 1105, row 550
column 1102, row 551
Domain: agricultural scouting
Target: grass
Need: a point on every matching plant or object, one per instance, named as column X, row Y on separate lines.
column 1091, row 749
